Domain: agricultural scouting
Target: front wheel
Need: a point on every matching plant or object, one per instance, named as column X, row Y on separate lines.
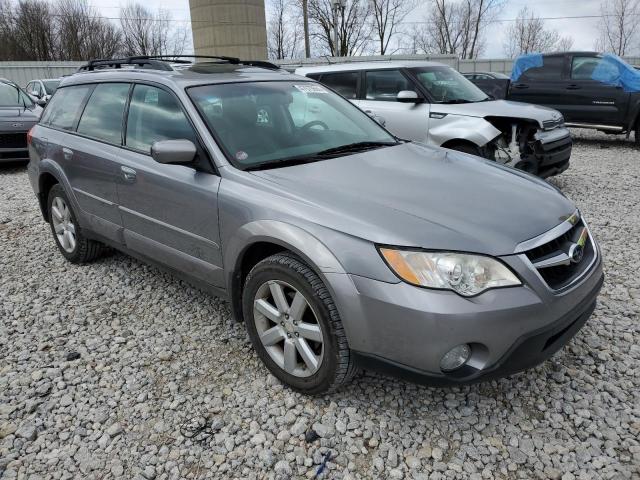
column 295, row 327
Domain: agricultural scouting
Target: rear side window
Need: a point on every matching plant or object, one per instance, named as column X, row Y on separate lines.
column 154, row 115
column 102, row 117
column 65, row 107
column 385, row 85
column 345, row 83
column 582, row 67
column 550, row 70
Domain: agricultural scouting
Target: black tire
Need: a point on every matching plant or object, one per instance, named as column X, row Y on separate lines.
column 637, row 135
column 85, row 250
column 466, row 148
column 337, row 367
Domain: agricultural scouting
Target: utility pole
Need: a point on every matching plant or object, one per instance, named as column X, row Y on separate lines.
column 305, row 20
column 338, row 7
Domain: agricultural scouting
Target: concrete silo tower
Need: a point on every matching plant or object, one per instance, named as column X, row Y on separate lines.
column 235, row 28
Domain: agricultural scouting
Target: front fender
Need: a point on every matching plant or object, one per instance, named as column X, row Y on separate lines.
column 457, row 127
column 289, row 237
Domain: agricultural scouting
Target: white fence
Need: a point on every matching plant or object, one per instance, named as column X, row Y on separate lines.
column 22, row 72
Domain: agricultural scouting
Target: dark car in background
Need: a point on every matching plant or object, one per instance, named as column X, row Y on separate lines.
column 590, row 89
column 494, row 84
column 18, row 113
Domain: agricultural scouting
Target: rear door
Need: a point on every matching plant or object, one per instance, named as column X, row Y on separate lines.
column 169, row 212
column 545, row 85
column 590, row 101
column 85, row 140
column 408, row 121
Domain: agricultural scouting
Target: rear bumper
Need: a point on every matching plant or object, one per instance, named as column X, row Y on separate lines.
column 552, row 151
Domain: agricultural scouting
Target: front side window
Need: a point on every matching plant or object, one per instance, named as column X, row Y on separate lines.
column 345, row 83
column 445, row 85
column 102, row 117
column 384, row 85
column 582, row 68
column 154, row 115
column 266, row 123
column 65, row 107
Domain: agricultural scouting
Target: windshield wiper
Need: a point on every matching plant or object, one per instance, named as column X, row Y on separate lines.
column 354, row 148
column 456, row 100
column 321, row 155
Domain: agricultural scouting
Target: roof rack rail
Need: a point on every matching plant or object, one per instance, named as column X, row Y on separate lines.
column 162, row 62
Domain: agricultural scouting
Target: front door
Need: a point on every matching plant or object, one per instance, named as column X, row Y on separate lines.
column 169, row 212
column 408, row 121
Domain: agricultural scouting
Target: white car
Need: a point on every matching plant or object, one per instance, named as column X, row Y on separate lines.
column 40, row 90
column 432, row 103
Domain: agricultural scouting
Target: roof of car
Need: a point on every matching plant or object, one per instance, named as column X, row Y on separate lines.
column 183, row 75
column 383, row 64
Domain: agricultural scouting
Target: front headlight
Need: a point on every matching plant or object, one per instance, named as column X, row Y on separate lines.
column 463, row 273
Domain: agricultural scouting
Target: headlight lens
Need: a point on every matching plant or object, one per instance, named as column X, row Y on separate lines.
column 463, row 273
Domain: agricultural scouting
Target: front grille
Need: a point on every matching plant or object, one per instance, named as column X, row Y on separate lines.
column 13, row 140
column 562, row 275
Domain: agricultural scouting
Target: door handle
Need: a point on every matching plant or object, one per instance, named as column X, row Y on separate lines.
column 67, row 152
column 573, row 86
column 521, row 85
column 129, row 174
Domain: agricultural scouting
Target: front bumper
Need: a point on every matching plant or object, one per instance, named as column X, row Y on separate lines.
column 13, row 146
column 552, row 150
column 405, row 330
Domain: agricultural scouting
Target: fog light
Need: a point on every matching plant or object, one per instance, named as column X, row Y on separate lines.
column 455, row 358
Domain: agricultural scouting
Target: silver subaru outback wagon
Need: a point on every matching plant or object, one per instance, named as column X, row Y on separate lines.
column 338, row 245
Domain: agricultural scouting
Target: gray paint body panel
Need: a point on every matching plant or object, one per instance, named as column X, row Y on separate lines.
column 331, row 213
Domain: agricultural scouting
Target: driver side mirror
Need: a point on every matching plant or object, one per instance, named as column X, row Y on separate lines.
column 173, row 151
column 408, row 96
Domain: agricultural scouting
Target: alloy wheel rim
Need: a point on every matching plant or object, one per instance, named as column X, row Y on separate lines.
column 288, row 328
column 63, row 226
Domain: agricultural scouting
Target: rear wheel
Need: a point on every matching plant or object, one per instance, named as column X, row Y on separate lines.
column 638, row 132
column 295, row 327
column 64, row 225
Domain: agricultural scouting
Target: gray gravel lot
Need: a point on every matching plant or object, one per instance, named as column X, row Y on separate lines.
column 154, row 353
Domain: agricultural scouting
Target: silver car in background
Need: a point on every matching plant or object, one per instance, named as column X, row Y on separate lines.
column 338, row 245
column 432, row 103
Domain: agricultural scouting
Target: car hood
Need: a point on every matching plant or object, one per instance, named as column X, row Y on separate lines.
column 19, row 114
column 420, row 196
column 500, row 108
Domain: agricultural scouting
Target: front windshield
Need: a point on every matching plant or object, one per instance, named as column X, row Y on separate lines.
column 269, row 123
column 448, row 86
column 50, row 86
column 12, row 96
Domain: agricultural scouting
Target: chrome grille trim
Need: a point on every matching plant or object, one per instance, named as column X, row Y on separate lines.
column 549, row 235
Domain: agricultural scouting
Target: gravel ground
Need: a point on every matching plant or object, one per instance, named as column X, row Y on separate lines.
column 155, row 353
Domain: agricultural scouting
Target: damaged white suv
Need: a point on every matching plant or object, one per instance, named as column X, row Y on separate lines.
column 432, row 103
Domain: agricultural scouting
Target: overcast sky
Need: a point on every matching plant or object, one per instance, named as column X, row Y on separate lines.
column 583, row 30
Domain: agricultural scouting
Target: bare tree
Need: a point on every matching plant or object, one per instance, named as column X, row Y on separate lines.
column 83, row 34
column 387, row 19
column 619, row 26
column 283, row 31
column 528, row 34
column 26, row 30
column 145, row 33
column 456, row 27
column 354, row 27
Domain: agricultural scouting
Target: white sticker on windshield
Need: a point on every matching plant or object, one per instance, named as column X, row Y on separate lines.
column 311, row 88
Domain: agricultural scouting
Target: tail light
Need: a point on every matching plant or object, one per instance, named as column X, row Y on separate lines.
column 30, row 135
